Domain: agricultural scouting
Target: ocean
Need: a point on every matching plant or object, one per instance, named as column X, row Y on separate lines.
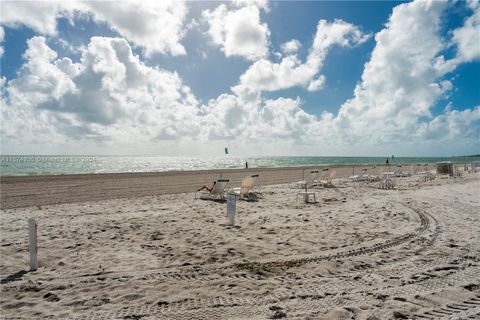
column 14, row 165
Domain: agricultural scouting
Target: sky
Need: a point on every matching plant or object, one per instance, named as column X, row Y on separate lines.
column 174, row 78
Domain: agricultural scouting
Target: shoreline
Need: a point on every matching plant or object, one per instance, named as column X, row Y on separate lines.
column 27, row 191
column 220, row 170
column 95, row 165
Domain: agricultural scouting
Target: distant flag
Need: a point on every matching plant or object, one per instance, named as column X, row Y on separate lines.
column 226, row 150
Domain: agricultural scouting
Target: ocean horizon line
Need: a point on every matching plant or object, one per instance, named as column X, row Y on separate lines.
column 238, row 156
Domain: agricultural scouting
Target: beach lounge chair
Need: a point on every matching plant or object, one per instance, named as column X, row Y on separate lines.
column 247, row 189
column 399, row 173
column 426, row 174
column 387, row 182
column 327, row 183
column 217, row 192
column 372, row 177
column 361, row 177
column 305, row 184
column 415, row 169
column 475, row 166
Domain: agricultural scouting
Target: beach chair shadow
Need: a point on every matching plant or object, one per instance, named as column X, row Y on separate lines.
column 14, row 277
column 216, row 194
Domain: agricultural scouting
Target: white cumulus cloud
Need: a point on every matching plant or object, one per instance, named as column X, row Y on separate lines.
column 467, row 38
column 2, row 35
column 238, row 32
column 291, row 46
column 155, row 26
column 109, row 94
column 265, row 75
column 401, row 83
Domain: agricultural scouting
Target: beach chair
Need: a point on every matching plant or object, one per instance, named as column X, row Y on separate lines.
column 456, row 172
column 361, row 177
column 426, row 175
column 247, row 190
column 387, row 182
column 372, row 177
column 398, row 172
column 309, row 183
column 475, row 166
column 217, row 193
column 306, row 195
column 413, row 170
column 327, row 182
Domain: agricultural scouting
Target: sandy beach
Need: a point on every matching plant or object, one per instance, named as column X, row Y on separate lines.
column 140, row 246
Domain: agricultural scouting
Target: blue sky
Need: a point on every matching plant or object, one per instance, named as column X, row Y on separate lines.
column 361, row 78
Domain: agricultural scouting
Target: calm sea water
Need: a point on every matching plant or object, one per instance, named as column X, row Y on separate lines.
column 44, row 165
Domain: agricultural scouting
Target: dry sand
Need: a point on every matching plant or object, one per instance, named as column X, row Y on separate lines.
column 358, row 253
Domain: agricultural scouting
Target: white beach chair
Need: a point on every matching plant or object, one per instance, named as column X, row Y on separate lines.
column 327, row 182
column 309, row 183
column 426, row 175
column 361, row 177
column 475, row 166
column 413, row 170
column 457, row 172
column 372, row 177
column 217, row 193
column 398, row 172
column 306, row 195
column 387, row 182
column 247, row 190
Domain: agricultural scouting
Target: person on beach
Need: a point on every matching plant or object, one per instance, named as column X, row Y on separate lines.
column 246, row 164
column 386, row 162
column 205, row 187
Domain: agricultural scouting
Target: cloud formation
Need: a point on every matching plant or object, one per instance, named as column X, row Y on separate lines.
column 2, row 35
column 110, row 95
column 155, row 26
column 291, row 47
column 108, row 91
column 467, row 38
column 265, row 75
column 402, row 83
column 238, row 31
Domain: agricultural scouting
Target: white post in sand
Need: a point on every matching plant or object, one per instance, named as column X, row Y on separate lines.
column 231, row 207
column 32, row 243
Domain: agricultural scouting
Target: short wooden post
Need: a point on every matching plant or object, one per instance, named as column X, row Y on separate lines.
column 32, row 243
